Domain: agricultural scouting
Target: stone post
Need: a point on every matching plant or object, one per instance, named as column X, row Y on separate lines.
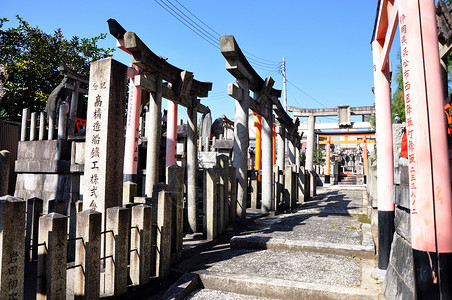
column 153, row 133
column 12, row 250
column 87, row 255
column 192, row 169
column 24, row 133
column 5, row 161
column 291, row 152
column 210, row 196
column 175, row 180
column 163, row 255
column 74, row 107
column 42, row 125
column 223, row 163
column 241, row 143
column 310, row 148
column 267, row 160
column 161, row 186
column 104, row 154
column 116, row 251
column 51, row 132
column 34, row 210
column 52, row 259
column 288, row 187
column 129, row 192
column 33, row 126
column 299, row 174
column 293, row 194
column 254, row 188
column 277, row 184
column 62, row 121
column 281, row 154
column 233, row 195
column 140, row 244
column 220, row 200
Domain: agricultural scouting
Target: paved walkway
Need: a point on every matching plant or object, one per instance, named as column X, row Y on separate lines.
column 323, row 250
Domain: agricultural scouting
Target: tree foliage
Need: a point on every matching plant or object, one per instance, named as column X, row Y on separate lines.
column 397, row 101
column 31, row 58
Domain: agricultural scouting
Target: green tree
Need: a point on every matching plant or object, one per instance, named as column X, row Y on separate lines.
column 397, row 101
column 31, row 57
column 319, row 156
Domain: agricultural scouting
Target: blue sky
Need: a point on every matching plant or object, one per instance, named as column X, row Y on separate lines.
column 326, row 44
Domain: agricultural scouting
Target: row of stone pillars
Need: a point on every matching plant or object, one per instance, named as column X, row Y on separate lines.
column 263, row 103
column 127, row 240
column 148, row 73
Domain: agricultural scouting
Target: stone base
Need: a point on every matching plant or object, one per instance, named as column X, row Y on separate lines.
column 399, row 282
column 44, row 186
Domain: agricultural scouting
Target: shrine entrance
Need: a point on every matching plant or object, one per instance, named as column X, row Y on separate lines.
column 346, row 156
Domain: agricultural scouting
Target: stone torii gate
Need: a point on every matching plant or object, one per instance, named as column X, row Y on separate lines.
column 344, row 114
column 162, row 79
column 264, row 102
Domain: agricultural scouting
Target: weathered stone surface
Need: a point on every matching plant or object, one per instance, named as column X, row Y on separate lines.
column 210, row 196
column 140, row 242
column 176, row 187
column 5, row 160
column 401, row 195
column 45, row 186
column 397, row 134
column 87, row 255
column 44, row 150
column 129, row 192
column 116, row 247
column 52, row 258
column 401, row 174
column 105, row 136
column 163, row 241
column 399, row 282
column 402, row 223
column 12, row 251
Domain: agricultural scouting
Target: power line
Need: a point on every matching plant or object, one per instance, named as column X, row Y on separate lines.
column 198, row 18
column 167, row 8
column 200, row 30
column 206, row 33
column 307, row 94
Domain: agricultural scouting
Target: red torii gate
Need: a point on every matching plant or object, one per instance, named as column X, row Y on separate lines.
column 430, row 185
column 365, row 138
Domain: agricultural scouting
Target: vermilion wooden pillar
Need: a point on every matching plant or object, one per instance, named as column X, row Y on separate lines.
column 430, row 186
column 328, row 158
column 385, row 168
column 133, row 119
column 258, row 148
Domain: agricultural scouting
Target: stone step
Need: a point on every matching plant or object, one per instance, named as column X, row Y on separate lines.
column 254, row 287
column 269, row 274
column 366, row 250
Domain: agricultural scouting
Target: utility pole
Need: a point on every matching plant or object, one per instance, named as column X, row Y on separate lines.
column 284, row 82
column 283, row 73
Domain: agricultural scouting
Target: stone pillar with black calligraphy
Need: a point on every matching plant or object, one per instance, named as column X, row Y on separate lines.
column 105, row 136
